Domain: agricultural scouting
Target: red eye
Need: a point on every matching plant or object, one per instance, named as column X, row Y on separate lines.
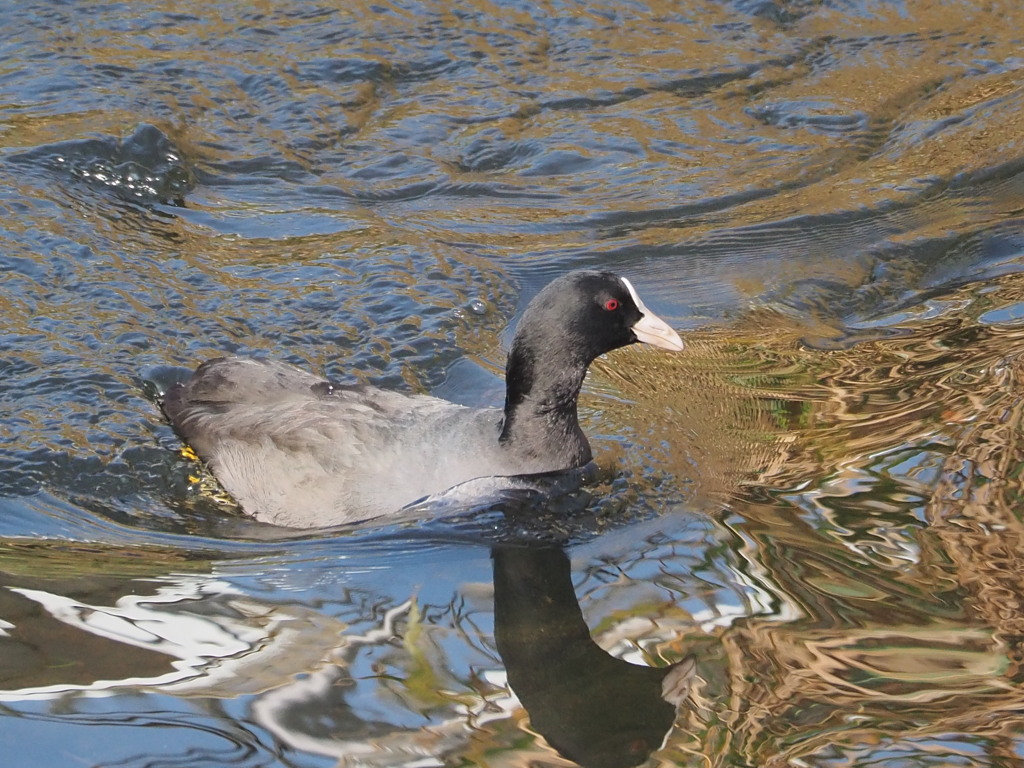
column 611, row 305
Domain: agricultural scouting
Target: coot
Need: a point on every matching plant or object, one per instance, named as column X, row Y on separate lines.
column 297, row 450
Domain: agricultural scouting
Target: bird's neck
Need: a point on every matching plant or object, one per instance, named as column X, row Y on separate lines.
column 541, row 421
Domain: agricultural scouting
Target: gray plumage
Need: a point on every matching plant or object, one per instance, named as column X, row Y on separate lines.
column 294, row 449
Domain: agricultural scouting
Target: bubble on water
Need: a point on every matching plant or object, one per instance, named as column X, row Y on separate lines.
column 473, row 308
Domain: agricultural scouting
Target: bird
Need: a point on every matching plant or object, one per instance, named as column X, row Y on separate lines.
column 298, row 450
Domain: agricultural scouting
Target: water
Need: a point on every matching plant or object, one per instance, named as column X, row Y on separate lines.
column 802, row 543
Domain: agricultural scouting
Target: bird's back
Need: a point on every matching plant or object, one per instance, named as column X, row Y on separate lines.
column 294, row 449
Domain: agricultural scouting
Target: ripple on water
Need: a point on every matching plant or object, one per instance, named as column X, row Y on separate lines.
column 813, row 508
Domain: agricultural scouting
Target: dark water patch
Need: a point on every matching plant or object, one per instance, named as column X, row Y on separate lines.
column 1003, row 180
column 781, row 13
column 257, row 171
column 819, row 117
column 489, row 151
column 690, row 86
column 593, row 101
column 703, row 84
column 559, row 162
column 430, row 67
column 344, row 70
column 144, row 167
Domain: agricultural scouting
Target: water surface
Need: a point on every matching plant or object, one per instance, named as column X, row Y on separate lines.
column 802, row 545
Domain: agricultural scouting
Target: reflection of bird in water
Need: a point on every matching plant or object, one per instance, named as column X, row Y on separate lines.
column 595, row 709
column 304, row 672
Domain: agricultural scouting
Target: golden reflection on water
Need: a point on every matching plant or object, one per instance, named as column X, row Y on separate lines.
column 815, row 453
column 759, row 408
column 897, row 148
